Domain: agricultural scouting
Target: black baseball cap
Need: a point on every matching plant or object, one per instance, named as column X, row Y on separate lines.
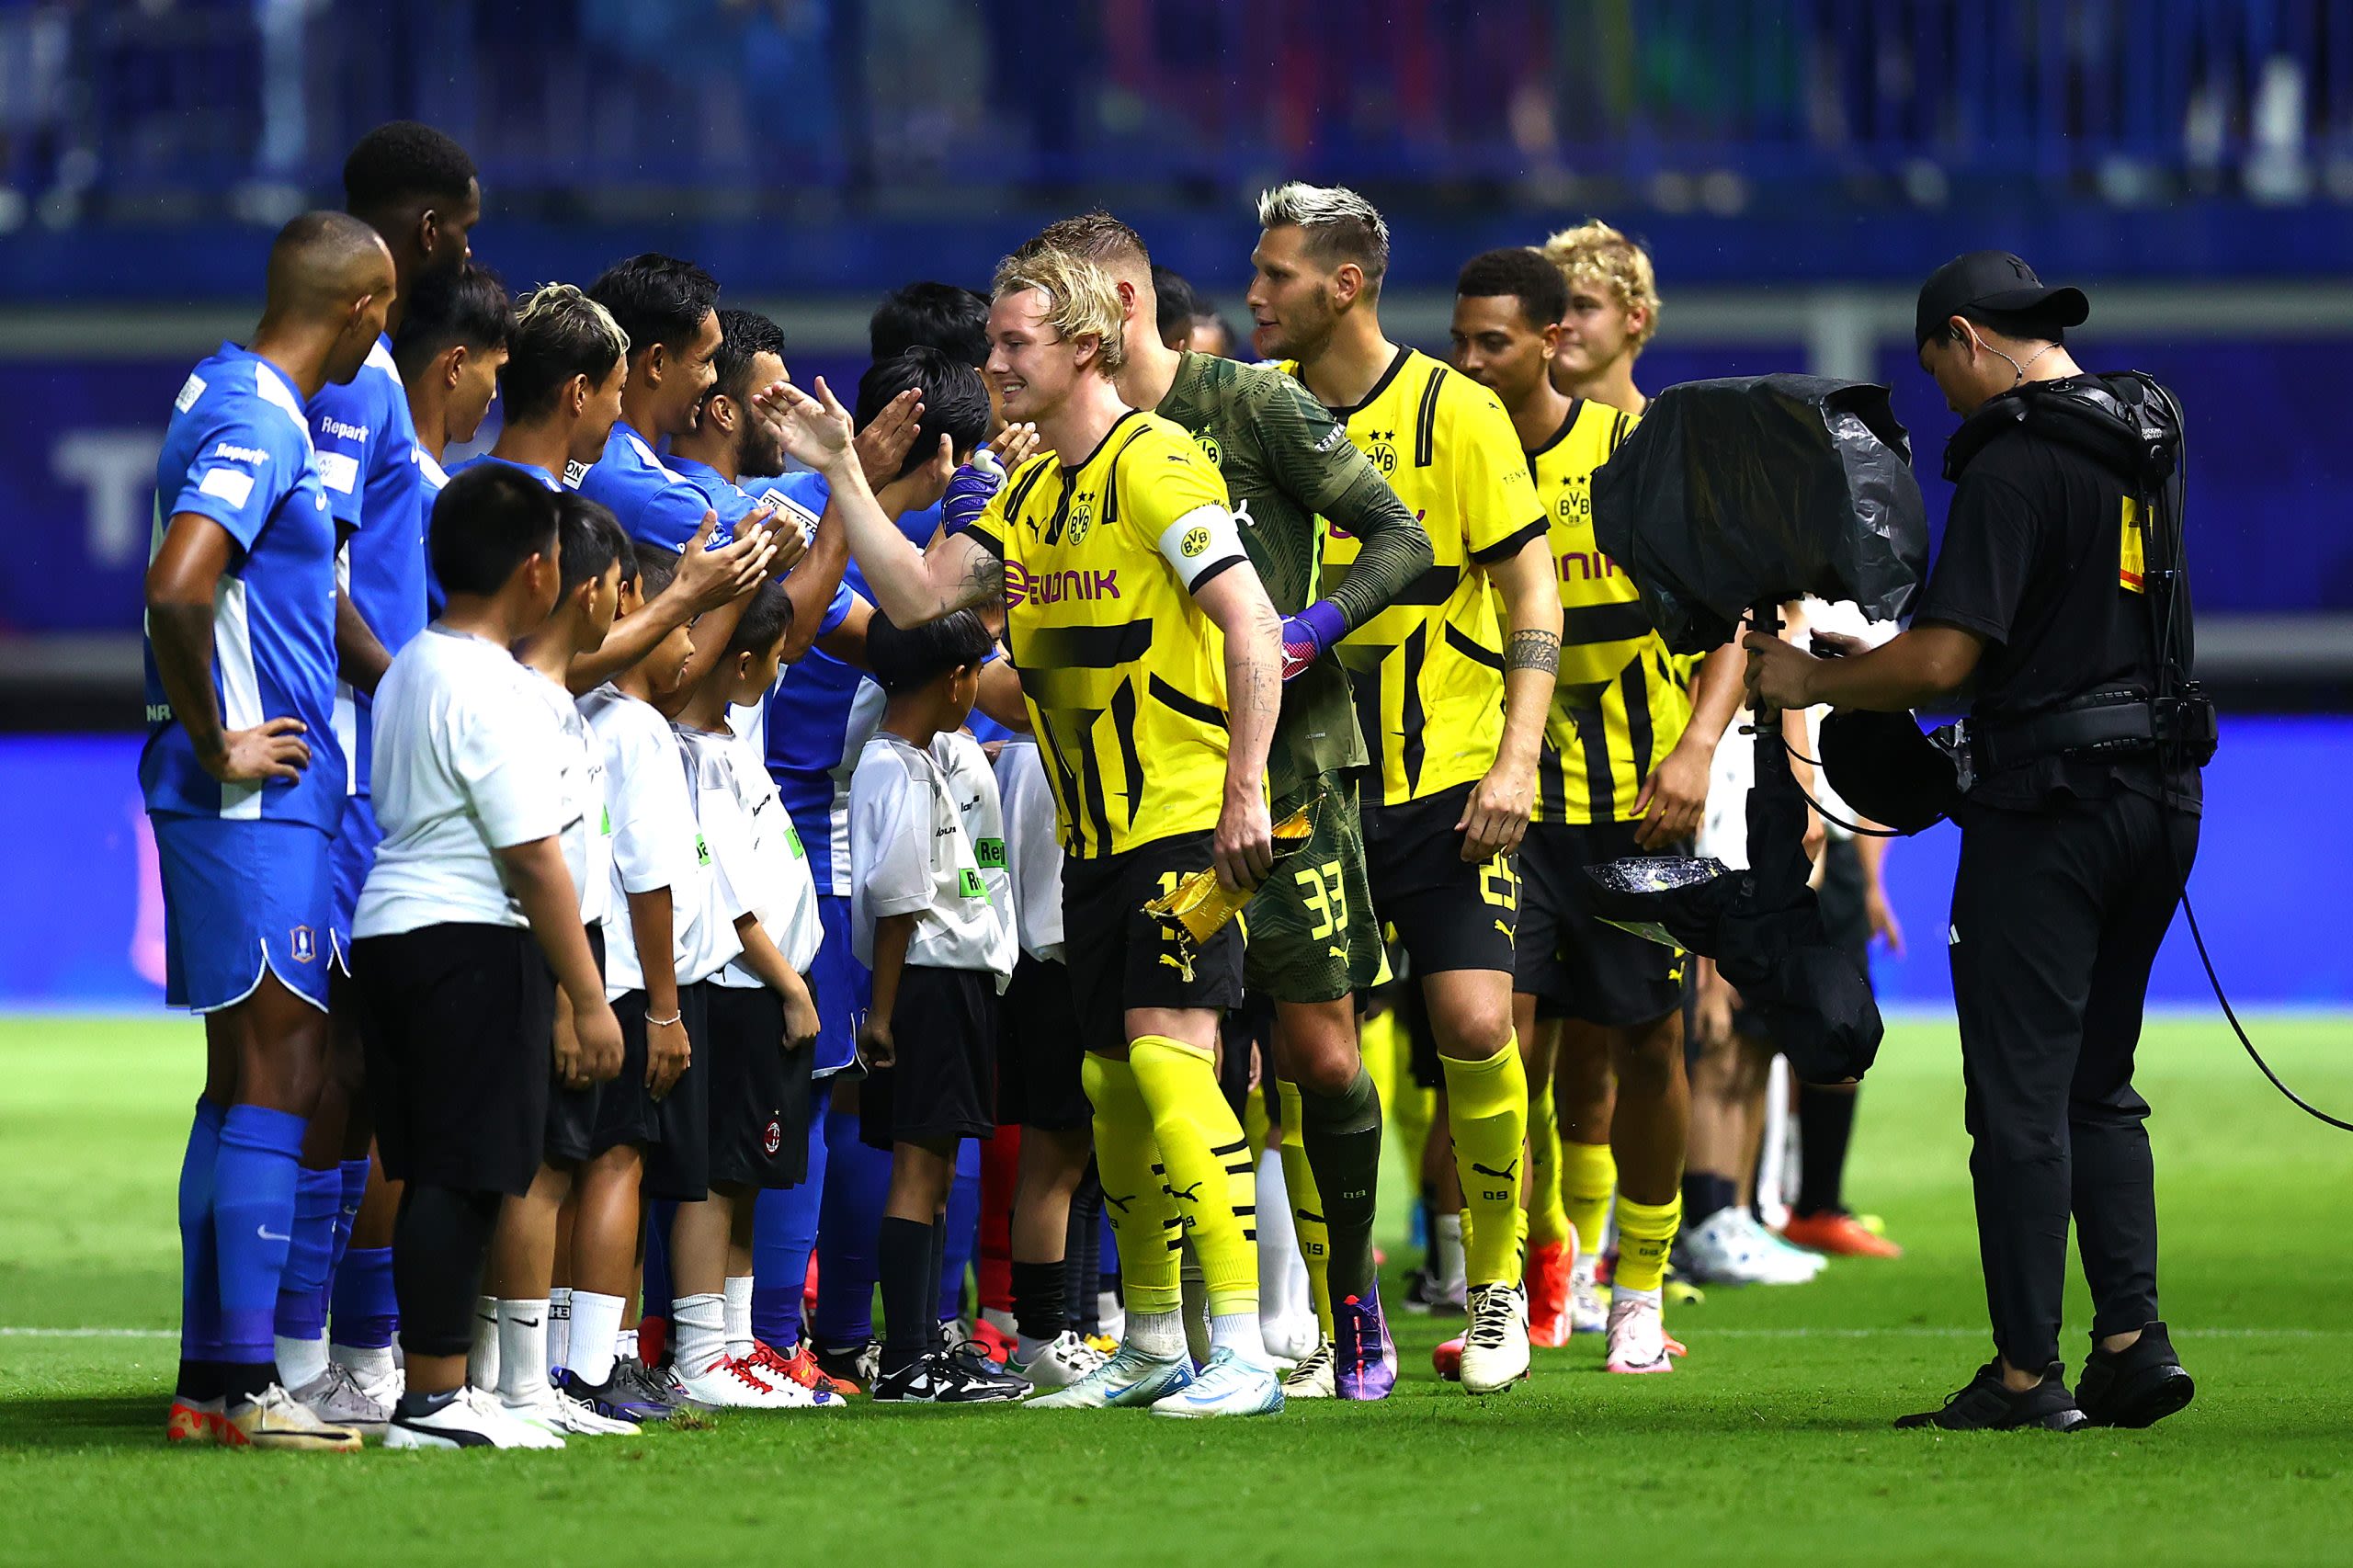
column 1993, row 283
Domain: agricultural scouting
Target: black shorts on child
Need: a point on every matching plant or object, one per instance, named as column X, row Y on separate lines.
column 457, row 1024
column 674, row 1130
column 758, row 1091
column 943, row 1082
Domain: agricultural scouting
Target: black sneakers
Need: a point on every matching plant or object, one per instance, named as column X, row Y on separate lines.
column 1984, row 1406
column 949, row 1377
column 2137, row 1386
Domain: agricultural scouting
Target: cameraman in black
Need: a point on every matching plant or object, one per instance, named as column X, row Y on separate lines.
column 2056, row 595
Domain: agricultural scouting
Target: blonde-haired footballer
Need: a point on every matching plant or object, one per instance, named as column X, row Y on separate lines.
column 1151, row 658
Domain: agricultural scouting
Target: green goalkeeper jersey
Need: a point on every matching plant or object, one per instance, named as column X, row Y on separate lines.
column 1288, row 466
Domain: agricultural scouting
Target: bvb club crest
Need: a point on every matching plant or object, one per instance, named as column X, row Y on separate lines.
column 1210, row 448
column 1082, row 518
column 1383, row 455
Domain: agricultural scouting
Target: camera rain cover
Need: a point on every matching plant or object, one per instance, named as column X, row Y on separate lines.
column 1759, row 489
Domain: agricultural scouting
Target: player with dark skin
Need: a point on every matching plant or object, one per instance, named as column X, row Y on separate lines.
column 1495, row 344
column 331, row 282
column 427, row 235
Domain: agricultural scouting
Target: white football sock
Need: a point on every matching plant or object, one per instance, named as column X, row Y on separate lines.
column 370, row 1363
column 1445, row 1251
column 624, row 1342
column 522, row 1352
column 1240, row 1333
column 300, row 1361
column 1160, row 1335
column 698, row 1332
column 739, row 1315
column 595, row 1326
column 559, row 1328
column 482, row 1361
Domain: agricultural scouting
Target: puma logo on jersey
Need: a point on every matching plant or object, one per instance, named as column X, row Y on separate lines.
column 1117, row 1202
column 1187, row 1194
column 1507, row 1173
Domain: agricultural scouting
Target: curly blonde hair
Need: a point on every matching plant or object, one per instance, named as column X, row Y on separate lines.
column 1597, row 255
column 1080, row 301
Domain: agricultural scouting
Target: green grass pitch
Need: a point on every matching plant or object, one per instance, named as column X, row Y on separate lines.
column 1770, row 1444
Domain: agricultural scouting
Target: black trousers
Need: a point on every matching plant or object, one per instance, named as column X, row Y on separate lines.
column 2056, row 919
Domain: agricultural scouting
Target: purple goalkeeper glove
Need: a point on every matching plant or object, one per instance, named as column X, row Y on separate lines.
column 1307, row 635
column 970, row 490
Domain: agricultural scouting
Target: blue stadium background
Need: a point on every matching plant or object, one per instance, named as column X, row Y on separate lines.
column 1795, row 165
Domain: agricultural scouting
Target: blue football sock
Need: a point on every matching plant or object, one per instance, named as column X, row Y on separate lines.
column 659, row 1216
column 252, row 1221
column 784, row 1229
column 367, row 1311
column 301, row 1311
column 849, row 1221
column 200, row 1261
column 963, row 1233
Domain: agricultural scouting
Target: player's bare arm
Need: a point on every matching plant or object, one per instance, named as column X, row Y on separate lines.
column 1674, row 797
column 360, row 659
column 1494, row 819
column 181, row 582
column 1236, row 600
column 911, row 587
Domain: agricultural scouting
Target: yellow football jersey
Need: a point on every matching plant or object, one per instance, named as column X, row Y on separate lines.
column 1428, row 670
column 1123, row 673
column 1623, row 699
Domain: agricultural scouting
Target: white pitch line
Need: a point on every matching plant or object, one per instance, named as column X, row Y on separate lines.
column 1908, row 1330
column 1913, row 1331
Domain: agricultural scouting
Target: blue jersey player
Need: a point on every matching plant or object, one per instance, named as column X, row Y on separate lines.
column 245, row 784
column 417, row 189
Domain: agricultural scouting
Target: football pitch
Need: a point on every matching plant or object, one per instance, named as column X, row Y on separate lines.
column 1769, row 1444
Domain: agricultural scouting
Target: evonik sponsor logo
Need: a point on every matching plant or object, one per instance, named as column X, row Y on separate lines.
column 1052, row 587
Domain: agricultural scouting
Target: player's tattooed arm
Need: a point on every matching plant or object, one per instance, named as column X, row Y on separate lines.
column 1532, row 650
column 1496, row 817
column 909, row 585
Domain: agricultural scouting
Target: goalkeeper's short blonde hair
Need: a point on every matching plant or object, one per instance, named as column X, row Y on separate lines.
column 1080, row 301
column 1596, row 255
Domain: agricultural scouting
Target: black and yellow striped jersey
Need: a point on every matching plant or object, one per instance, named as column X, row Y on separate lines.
column 1123, row 673
column 1623, row 699
column 1428, row 670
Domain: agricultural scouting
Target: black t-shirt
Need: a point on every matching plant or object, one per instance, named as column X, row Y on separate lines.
column 2041, row 558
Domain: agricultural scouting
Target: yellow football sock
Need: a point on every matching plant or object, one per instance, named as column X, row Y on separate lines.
column 1588, row 1176
column 1306, row 1206
column 1135, row 1200
column 1645, row 1231
column 1208, row 1162
column 1487, row 1104
column 1547, row 1218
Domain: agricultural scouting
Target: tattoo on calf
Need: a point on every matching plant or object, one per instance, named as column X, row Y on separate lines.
column 1533, row 651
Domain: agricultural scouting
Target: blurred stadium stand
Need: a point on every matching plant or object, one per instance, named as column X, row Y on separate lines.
column 1796, row 165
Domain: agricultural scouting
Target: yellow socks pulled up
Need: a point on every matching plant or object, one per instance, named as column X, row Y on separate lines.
column 1547, row 1218
column 1207, row 1164
column 1488, row 1107
column 1135, row 1199
column 1306, row 1204
column 1645, row 1231
column 1588, row 1176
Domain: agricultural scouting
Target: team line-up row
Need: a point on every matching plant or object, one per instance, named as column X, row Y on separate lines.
column 616, row 863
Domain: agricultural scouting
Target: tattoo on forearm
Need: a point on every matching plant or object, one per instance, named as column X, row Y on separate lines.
column 984, row 583
column 1533, row 651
